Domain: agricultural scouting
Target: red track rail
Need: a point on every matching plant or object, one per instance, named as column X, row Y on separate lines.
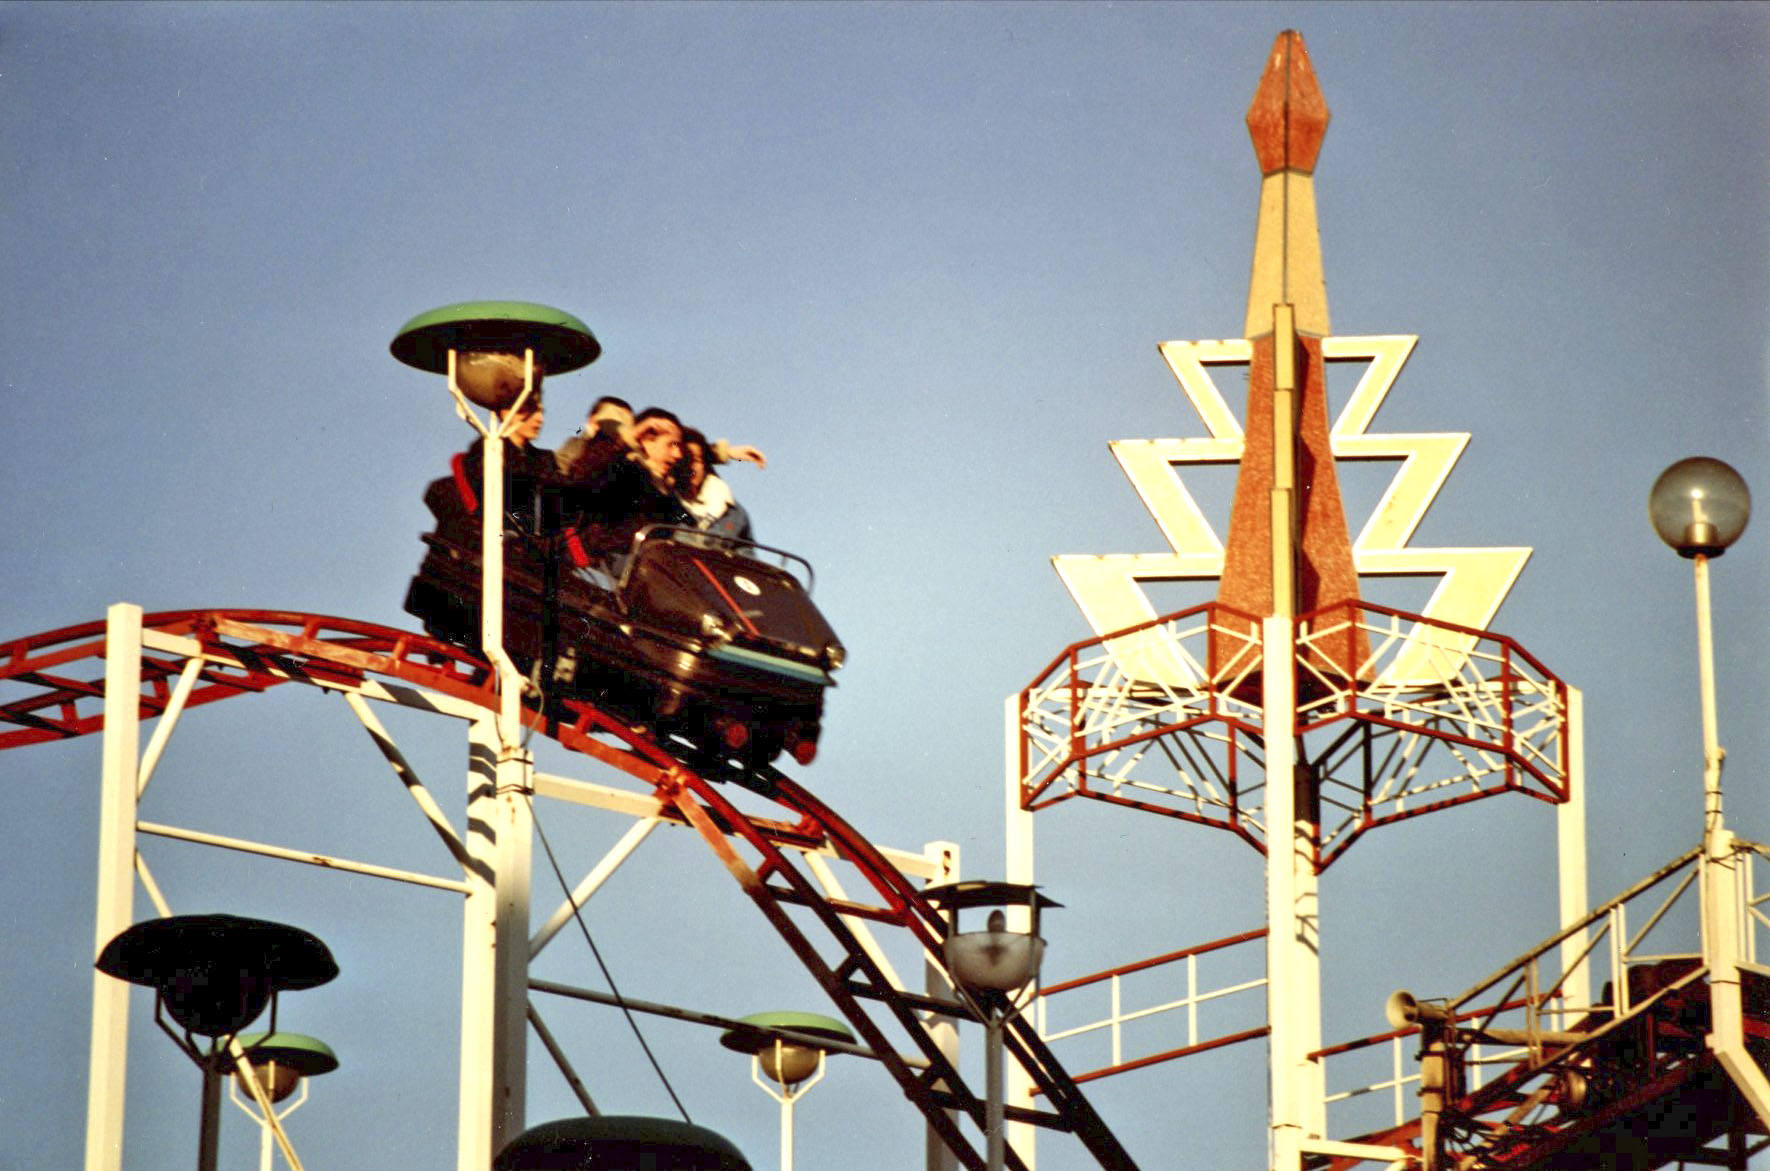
column 52, row 688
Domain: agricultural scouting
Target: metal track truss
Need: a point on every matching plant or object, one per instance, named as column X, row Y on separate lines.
column 1623, row 1084
column 1165, row 717
column 52, row 687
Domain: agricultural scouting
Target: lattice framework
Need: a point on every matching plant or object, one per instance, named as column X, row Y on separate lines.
column 1437, row 715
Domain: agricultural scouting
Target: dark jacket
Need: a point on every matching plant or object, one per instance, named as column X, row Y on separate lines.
column 532, row 499
column 610, row 496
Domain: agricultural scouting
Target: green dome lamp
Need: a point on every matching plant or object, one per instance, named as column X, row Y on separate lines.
column 281, row 1064
column 494, row 355
column 789, row 1047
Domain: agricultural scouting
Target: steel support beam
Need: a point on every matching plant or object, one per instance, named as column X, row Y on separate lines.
column 1021, row 1136
column 1293, row 960
column 108, row 1065
column 1570, row 833
column 494, row 945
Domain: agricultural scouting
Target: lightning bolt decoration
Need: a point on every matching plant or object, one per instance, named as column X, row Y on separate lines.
column 1288, row 551
column 1473, row 582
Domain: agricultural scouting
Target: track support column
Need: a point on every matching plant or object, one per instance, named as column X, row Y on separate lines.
column 1570, row 832
column 1022, row 1136
column 494, row 945
column 944, row 1030
column 116, row 884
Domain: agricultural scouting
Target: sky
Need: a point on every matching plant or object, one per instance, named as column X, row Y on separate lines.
column 921, row 255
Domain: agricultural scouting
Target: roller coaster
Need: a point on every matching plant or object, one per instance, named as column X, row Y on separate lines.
column 157, row 666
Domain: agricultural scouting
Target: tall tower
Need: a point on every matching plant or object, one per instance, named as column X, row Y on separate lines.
column 1288, row 553
column 1289, row 710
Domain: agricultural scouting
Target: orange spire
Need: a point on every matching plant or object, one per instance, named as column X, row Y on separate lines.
column 1287, row 466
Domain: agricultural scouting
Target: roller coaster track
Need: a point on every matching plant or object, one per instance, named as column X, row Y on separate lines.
column 52, row 687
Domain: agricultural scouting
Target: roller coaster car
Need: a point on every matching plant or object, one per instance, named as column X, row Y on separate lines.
column 706, row 638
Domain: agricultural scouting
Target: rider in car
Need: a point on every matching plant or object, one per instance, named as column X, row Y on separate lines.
column 617, row 490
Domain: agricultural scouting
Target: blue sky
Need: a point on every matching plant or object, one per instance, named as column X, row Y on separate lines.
column 921, row 255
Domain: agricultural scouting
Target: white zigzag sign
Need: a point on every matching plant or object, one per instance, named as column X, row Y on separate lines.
column 1473, row 581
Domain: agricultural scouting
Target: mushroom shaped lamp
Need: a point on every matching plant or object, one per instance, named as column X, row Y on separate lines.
column 609, row 1141
column 786, row 1047
column 488, row 338
column 282, row 1061
column 214, row 974
column 787, row 1060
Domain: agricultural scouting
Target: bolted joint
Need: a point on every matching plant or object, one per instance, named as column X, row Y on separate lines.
column 519, row 779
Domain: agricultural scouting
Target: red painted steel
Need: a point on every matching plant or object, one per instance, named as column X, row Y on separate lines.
column 1357, row 707
column 1656, row 1095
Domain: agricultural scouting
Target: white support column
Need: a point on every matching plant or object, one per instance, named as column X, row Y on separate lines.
column 943, row 858
column 495, row 946
column 1293, row 953
column 500, row 833
column 1021, row 1136
column 1293, row 961
column 1570, row 833
column 1723, row 892
column 116, row 885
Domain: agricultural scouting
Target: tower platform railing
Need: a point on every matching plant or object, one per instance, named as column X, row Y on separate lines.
column 1230, row 996
column 1165, row 717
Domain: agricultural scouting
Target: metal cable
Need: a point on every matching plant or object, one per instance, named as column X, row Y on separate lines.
column 632, row 1021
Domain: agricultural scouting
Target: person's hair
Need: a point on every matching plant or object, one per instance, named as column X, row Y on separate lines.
column 530, row 405
column 650, row 413
column 609, row 400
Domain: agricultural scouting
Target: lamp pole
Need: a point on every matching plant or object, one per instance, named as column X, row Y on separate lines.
column 1712, row 752
column 209, row 1129
column 993, row 968
column 794, row 1062
column 789, row 1093
column 276, row 1067
column 494, row 355
column 1700, row 506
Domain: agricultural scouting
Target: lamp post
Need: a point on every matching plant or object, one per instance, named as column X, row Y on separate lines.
column 993, row 968
column 794, row 1063
column 494, row 355
column 213, row 975
column 281, row 1064
column 1699, row 506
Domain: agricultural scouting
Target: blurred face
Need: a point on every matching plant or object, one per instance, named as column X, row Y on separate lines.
column 697, row 468
column 660, row 446
column 528, row 426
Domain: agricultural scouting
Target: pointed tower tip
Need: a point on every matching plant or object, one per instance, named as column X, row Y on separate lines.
column 1289, row 116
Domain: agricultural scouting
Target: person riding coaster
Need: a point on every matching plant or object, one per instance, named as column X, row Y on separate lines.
column 708, row 638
